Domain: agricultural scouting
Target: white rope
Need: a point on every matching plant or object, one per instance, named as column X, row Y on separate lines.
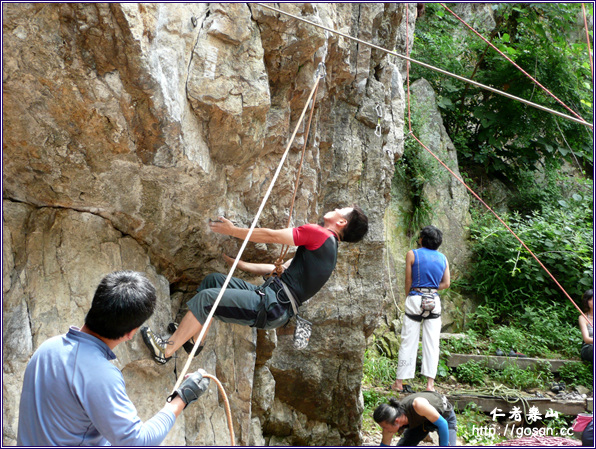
column 245, row 242
column 436, row 69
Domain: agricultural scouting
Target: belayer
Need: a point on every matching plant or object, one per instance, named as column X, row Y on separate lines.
column 74, row 396
column 416, row 415
column 266, row 306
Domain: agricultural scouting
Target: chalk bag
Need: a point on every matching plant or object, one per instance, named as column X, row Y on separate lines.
column 302, row 333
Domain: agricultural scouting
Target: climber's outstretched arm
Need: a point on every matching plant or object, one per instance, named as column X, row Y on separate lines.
column 259, row 235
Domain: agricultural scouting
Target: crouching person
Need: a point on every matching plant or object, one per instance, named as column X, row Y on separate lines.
column 418, row 414
column 74, row 396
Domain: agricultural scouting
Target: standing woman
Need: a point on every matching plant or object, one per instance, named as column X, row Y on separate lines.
column 587, row 327
column 419, row 413
column 427, row 271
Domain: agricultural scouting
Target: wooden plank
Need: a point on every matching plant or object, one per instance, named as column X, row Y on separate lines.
column 488, row 404
column 499, row 362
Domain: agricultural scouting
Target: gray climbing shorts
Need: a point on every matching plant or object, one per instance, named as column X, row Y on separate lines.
column 240, row 303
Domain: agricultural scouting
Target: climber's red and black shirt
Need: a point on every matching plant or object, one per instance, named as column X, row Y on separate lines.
column 313, row 262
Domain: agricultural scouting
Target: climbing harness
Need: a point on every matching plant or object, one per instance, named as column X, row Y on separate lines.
column 247, row 238
column 411, row 133
column 428, row 66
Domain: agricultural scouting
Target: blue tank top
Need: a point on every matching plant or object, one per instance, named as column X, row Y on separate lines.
column 428, row 268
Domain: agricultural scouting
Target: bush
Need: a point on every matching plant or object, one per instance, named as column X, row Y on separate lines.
column 538, row 375
column 378, row 369
column 372, row 399
column 506, row 338
column 549, row 327
column 472, row 373
column 577, row 373
column 506, row 277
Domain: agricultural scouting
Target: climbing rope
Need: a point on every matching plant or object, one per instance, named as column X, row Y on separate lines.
column 320, row 73
column 512, row 62
column 428, row 66
column 388, row 265
column 502, row 392
column 411, row 133
column 226, row 405
column 588, row 41
column 246, row 240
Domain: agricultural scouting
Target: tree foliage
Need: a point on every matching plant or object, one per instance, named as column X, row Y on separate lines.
column 502, row 135
column 506, row 277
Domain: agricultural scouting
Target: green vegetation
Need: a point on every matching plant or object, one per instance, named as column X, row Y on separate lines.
column 472, row 373
column 577, row 373
column 415, row 169
column 378, row 369
column 469, row 420
column 536, row 376
column 477, row 374
column 543, row 166
column 502, row 136
column 507, row 278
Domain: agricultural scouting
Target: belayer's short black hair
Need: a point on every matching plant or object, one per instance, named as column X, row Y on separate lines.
column 122, row 302
column 357, row 226
column 432, row 237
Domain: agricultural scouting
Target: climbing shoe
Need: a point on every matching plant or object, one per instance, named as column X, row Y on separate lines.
column 172, row 327
column 499, row 352
column 156, row 345
column 512, row 353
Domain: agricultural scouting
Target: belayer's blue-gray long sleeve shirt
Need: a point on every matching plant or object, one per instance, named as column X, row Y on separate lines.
column 74, row 396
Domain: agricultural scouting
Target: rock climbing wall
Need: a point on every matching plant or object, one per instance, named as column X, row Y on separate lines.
column 126, row 126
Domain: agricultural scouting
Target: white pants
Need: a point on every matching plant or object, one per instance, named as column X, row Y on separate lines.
column 410, row 334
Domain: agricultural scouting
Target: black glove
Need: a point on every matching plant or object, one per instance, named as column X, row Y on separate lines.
column 193, row 386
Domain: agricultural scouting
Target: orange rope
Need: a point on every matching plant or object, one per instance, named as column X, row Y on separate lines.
column 513, row 62
column 226, row 405
column 588, row 41
column 472, row 191
column 284, row 249
column 428, row 66
column 244, row 243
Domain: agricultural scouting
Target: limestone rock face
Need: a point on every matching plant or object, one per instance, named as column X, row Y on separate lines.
column 126, row 126
column 449, row 204
column 449, row 198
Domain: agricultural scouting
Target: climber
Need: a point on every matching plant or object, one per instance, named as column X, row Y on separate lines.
column 266, row 306
column 419, row 414
column 74, row 396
